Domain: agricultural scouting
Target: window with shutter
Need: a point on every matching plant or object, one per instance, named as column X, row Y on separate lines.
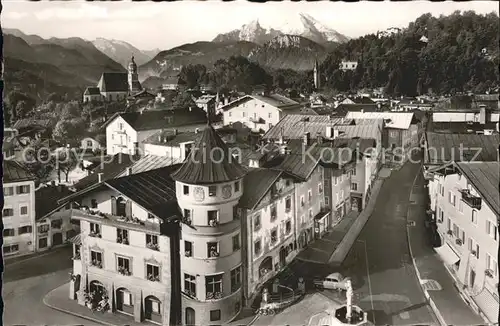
column 128, row 208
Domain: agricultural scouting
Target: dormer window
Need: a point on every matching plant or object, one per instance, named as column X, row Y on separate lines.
column 236, row 186
column 212, row 191
column 186, row 190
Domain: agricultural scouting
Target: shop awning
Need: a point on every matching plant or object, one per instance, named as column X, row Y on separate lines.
column 447, row 255
column 77, row 240
column 488, row 304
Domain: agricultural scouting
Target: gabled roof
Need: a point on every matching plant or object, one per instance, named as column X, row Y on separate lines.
column 13, row 171
column 293, row 126
column 443, row 148
column 153, row 190
column 256, row 184
column 209, row 162
column 143, row 93
column 148, row 163
column 460, row 127
column 109, row 168
column 47, row 197
column 159, row 119
column 92, row 91
column 278, row 101
column 204, row 99
column 483, row 176
column 113, row 82
column 394, row 120
column 486, row 97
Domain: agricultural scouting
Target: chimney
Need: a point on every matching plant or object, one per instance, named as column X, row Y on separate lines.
column 99, row 177
column 482, row 115
column 329, row 132
column 226, row 100
column 362, row 111
column 52, row 183
column 159, row 138
column 129, row 171
column 175, row 132
column 307, row 139
column 197, row 130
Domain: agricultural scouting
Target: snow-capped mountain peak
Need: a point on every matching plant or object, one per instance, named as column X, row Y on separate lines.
column 309, row 28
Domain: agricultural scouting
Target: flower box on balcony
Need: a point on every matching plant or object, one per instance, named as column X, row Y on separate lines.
column 187, row 253
column 274, row 240
column 96, row 263
column 76, row 257
column 214, row 254
column 210, row 295
column 122, row 241
column 186, row 220
column 214, row 223
column 458, row 242
column 217, row 295
column 489, row 273
column 153, row 246
column 449, row 232
column 124, row 271
column 153, row 278
column 190, row 293
column 95, row 234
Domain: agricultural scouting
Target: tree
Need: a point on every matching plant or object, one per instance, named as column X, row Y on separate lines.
column 70, row 110
column 62, row 131
column 183, row 101
column 38, row 160
column 65, row 161
column 22, row 110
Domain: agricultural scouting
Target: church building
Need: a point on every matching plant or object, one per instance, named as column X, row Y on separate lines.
column 115, row 86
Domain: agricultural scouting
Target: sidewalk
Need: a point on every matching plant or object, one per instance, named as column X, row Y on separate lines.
column 446, row 302
column 335, row 245
column 58, row 299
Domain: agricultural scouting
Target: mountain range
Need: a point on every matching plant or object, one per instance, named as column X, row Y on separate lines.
column 61, row 64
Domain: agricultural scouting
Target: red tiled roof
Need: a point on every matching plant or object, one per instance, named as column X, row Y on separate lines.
column 209, row 162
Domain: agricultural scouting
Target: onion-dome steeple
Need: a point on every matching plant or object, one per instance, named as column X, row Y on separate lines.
column 209, row 162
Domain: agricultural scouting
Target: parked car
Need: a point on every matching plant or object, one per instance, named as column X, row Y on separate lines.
column 334, row 281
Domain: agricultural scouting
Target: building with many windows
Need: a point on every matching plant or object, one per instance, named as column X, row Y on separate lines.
column 126, row 257
column 18, row 215
column 208, row 189
column 464, row 198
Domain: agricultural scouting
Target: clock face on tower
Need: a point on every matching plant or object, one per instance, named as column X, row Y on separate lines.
column 226, row 191
column 199, row 194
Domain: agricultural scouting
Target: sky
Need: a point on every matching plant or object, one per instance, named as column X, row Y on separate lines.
column 163, row 25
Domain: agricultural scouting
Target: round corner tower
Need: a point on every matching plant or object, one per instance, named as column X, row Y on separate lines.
column 209, row 185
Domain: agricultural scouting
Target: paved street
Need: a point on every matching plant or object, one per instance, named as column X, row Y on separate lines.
column 391, row 294
column 27, row 282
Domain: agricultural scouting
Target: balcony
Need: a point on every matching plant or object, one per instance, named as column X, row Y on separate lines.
column 153, row 246
column 470, row 199
column 121, row 222
column 124, row 271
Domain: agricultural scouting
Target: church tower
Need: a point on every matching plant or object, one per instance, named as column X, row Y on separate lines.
column 133, row 77
column 209, row 185
column 317, row 77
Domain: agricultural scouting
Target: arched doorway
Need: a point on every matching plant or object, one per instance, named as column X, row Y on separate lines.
column 282, row 256
column 121, row 206
column 124, row 302
column 266, row 266
column 152, row 309
column 190, row 317
column 57, row 239
column 97, row 293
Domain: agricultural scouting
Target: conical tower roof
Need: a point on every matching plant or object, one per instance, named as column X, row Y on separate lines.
column 209, row 162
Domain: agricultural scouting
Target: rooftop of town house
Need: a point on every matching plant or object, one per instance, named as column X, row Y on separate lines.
column 276, row 100
column 393, row 120
column 148, row 163
column 109, row 166
column 257, row 183
column 13, row 171
column 159, row 119
column 461, row 127
column 32, row 123
column 294, row 126
column 444, row 148
column 153, row 190
column 47, row 197
column 210, row 162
